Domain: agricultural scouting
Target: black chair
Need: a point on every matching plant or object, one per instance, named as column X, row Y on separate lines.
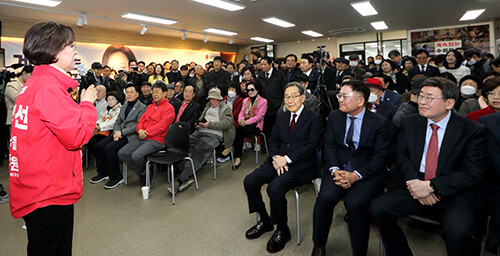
column 177, row 149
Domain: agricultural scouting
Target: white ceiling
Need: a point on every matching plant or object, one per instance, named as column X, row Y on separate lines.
column 318, row 15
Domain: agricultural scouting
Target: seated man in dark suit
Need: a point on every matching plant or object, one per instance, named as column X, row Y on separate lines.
column 423, row 67
column 491, row 188
column 389, row 96
column 291, row 163
column 439, row 166
column 189, row 111
column 375, row 103
column 356, row 149
column 175, row 102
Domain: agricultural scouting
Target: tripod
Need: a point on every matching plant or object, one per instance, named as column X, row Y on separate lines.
column 324, row 105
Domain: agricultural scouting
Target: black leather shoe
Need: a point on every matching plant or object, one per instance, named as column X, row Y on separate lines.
column 278, row 241
column 318, row 251
column 259, row 229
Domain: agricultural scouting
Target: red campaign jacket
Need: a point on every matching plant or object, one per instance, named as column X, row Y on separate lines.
column 48, row 131
column 156, row 120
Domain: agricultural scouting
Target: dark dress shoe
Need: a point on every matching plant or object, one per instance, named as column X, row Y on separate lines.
column 318, row 251
column 278, row 241
column 259, row 229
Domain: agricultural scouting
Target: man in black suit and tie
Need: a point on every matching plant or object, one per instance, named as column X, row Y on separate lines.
column 292, row 162
column 423, row 67
column 440, row 162
column 341, row 69
column 306, row 65
column 356, row 148
column 272, row 82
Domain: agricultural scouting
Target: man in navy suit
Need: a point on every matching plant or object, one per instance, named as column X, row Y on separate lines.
column 440, row 162
column 389, row 96
column 292, row 162
column 356, row 148
column 423, row 67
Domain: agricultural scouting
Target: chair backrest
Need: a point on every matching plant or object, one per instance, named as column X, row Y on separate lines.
column 177, row 138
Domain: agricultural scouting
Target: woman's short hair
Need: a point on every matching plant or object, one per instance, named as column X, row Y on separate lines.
column 490, row 85
column 44, row 40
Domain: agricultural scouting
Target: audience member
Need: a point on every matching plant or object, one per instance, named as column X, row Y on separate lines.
column 214, row 126
column 291, row 67
column 378, row 60
column 250, row 119
column 272, row 82
column 478, row 64
column 495, row 64
column 124, row 131
column 470, row 99
column 159, row 74
column 356, row 71
column 184, row 74
column 100, row 103
column 341, row 70
column 389, row 96
column 234, row 100
column 218, row 77
column 146, row 98
column 408, row 63
column 12, row 89
column 311, row 102
column 356, row 148
column 375, row 103
column 395, row 57
column 179, row 90
column 189, row 110
column 440, row 163
column 306, row 66
column 397, row 82
column 453, row 64
column 411, row 106
column 491, row 92
column 248, row 75
column 423, row 67
column 292, row 161
column 152, row 128
column 174, row 75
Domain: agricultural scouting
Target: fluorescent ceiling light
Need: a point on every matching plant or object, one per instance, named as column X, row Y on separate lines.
column 220, row 31
column 51, row 3
column 261, row 39
column 226, row 5
column 278, row 22
column 312, row 33
column 364, row 8
column 379, row 25
column 472, row 15
column 143, row 17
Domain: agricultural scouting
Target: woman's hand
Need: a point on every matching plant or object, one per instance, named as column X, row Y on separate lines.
column 89, row 94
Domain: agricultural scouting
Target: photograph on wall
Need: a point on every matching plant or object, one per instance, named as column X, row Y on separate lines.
column 440, row 41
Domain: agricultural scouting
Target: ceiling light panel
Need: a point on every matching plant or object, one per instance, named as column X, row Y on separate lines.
column 472, row 15
column 220, row 31
column 278, row 22
column 226, row 5
column 148, row 18
column 379, row 25
column 364, row 8
column 50, row 3
column 262, row 39
column 312, row 33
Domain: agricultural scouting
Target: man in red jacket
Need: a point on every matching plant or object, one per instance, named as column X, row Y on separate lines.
column 152, row 128
column 48, row 131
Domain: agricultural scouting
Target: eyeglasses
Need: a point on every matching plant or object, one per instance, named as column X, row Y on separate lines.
column 426, row 99
column 345, row 96
column 250, row 90
column 292, row 97
column 494, row 94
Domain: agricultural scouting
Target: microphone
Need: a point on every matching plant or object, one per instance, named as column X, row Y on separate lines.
column 82, row 70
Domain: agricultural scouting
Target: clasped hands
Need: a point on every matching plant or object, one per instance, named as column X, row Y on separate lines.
column 345, row 179
column 280, row 164
column 201, row 125
column 422, row 191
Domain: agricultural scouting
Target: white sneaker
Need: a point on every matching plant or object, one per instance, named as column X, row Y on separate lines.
column 223, row 159
column 248, row 145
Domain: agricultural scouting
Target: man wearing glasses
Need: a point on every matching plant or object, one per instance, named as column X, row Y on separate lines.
column 292, row 162
column 356, row 151
column 439, row 166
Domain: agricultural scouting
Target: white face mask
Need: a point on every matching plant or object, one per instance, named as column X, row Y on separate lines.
column 191, row 75
column 373, row 98
column 468, row 90
column 353, row 63
column 378, row 62
column 231, row 94
column 471, row 62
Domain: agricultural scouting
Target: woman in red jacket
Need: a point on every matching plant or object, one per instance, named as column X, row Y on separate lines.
column 48, row 131
column 491, row 92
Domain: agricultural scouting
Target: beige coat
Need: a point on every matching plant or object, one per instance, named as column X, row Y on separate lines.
column 11, row 91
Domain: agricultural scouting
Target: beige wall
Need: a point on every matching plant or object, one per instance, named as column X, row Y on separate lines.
column 17, row 28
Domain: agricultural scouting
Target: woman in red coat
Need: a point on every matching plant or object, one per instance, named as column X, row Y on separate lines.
column 48, row 131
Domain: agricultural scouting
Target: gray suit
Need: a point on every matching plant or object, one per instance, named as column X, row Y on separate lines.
column 128, row 125
column 106, row 150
